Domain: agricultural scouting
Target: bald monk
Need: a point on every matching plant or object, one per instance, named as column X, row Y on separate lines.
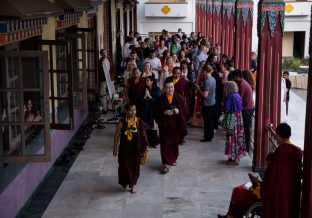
column 169, row 114
column 181, row 86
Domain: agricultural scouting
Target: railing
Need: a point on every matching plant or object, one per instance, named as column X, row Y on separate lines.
column 252, row 136
column 272, row 138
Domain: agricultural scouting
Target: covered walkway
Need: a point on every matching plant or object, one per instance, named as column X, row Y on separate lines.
column 199, row 186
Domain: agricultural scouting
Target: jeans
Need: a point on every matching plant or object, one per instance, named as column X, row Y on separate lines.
column 208, row 113
column 247, row 118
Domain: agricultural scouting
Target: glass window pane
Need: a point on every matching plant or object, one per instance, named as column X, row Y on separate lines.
column 34, row 140
column 9, row 72
column 32, row 72
column 12, row 140
column 34, row 106
column 62, row 81
column 61, row 115
column 11, row 106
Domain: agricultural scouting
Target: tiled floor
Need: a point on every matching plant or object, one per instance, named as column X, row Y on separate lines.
column 199, row 186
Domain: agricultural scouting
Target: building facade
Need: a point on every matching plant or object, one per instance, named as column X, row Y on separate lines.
column 296, row 28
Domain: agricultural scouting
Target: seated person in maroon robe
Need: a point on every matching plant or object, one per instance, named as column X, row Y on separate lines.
column 169, row 114
column 181, row 86
column 133, row 142
column 135, row 89
column 281, row 187
column 243, row 196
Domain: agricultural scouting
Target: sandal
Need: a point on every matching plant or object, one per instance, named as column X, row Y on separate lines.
column 165, row 170
column 133, row 190
column 174, row 164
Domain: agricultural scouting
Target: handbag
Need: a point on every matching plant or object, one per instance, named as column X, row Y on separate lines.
column 229, row 119
column 144, row 157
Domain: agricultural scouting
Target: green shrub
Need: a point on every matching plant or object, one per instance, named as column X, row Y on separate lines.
column 291, row 64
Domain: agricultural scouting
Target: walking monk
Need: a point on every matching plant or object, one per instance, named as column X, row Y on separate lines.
column 169, row 113
column 133, row 142
column 181, row 86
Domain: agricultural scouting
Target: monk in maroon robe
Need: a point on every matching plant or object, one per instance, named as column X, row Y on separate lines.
column 135, row 89
column 133, row 142
column 181, row 86
column 281, row 187
column 169, row 114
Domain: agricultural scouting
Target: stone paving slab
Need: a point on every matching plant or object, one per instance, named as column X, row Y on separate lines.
column 199, row 186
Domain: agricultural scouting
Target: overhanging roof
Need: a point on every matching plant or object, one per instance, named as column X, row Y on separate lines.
column 74, row 5
column 27, row 8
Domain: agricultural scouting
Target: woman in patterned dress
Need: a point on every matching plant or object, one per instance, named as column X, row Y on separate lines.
column 235, row 146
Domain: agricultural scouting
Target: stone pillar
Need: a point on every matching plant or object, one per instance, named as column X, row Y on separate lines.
column 306, row 209
column 228, row 23
column 269, row 73
column 217, row 24
column 243, row 33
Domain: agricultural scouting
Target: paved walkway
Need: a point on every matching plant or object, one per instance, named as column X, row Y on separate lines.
column 296, row 117
column 199, row 186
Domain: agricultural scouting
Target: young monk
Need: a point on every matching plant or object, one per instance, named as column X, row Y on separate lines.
column 169, row 113
column 133, row 142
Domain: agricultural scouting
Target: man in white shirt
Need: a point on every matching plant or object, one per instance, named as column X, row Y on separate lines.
column 126, row 52
column 155, row 63
column 104, row 78
column 202, row 56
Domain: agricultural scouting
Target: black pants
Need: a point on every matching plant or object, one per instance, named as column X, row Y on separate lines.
column 217, row 114
column 247, row 118
column 287, row 102
column 208, row 113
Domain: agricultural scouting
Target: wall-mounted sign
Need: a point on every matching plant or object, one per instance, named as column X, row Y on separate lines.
column 166, row 10
column 297, row 9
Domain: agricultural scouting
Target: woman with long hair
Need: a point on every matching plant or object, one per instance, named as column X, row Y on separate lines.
column 249, row 77
column 182, row 57
column 131, row 65
column 166, row 72
column 151, row 93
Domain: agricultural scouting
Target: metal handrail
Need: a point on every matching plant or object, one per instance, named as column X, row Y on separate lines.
column 272, row 137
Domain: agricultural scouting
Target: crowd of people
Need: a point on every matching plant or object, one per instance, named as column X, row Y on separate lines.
column 174, row 80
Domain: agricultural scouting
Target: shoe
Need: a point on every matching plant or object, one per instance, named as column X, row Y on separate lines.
column 165, row 170
column 206, row 140
column 222, row 216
